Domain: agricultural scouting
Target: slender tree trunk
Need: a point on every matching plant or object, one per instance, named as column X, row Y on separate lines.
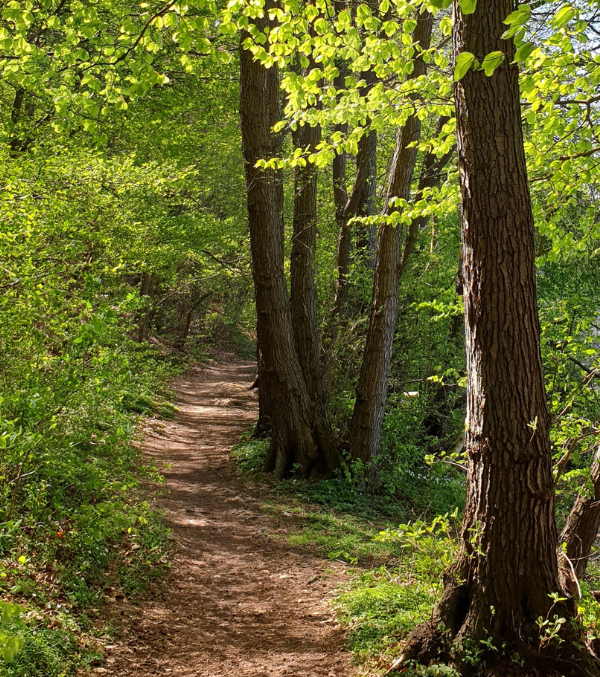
column 302, row 274
column 340, row 198
column 431, row 175
column 507, row 568
column 371, row 391
column 581, row 528
column 186, row 312
column 361, row 202
column 147, row 290
column 340, row 191
column 299, row 441
column 15, row 117
column 188, row 307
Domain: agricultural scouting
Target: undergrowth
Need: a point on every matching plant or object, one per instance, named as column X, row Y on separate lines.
column 75, row 529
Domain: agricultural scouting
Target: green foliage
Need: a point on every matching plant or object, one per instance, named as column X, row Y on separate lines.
column 11, row 631
column 379, row 612
column 71, row 385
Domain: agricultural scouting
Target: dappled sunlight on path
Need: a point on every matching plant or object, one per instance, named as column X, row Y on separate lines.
column 238, row 600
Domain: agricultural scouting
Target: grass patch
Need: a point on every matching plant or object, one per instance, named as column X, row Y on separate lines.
column 379, row 611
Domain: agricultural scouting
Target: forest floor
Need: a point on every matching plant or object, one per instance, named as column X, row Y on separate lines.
column 239, row 599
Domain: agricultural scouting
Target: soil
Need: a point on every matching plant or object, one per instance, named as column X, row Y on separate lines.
column 239, row 600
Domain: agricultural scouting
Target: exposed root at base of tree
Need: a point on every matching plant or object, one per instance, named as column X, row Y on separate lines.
column 431, row 644
column 303, row 450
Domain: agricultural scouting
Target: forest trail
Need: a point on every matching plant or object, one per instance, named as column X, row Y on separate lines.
column 237, row 601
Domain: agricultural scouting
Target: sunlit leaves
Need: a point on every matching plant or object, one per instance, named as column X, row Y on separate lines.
column 464, row 61
column 524, row 51
column 563, row 16
column 52, row 49
column 467, row 6
column 491, row 62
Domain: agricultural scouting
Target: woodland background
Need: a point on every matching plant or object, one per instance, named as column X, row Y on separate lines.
column 125, row 255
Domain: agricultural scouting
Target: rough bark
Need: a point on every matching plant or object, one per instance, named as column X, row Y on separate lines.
column 302, row 277
column 299, row 442
column 264, row 423
column 371, row 391
column 582, row 526
column 507, row 566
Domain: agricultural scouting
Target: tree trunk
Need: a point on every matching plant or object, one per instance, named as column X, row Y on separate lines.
column 340, row 192
column 264, row 423
column 186, row 312
column 507, row 567
column 186, row 315
column 302, row 274
column 581, row 528
column 15, row 117
column 147, row 290
column 371, row 391
column 431, row 175
column 299, row 443
column 361, row 202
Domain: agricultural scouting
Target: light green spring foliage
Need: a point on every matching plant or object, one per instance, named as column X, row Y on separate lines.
column 99, row 185
column 81, row 58
column 121, row 156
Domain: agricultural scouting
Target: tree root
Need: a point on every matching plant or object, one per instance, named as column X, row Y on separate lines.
column 428, row 645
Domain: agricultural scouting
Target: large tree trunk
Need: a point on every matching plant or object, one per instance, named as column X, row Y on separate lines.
column 581, row 528
column 507, row 567
column 298, row 443
column 371, row 391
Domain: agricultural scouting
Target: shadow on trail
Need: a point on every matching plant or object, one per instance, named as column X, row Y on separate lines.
column 238, row 601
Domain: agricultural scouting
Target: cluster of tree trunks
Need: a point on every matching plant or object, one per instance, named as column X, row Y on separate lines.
column 301, row 439
column 507, row 573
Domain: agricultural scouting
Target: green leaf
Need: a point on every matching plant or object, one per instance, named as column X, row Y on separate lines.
column 464, row 61
column 440, row 4
column 563, row 16
column 491, row 62
column 519, row 16
column 523, row 52
column 468, row 6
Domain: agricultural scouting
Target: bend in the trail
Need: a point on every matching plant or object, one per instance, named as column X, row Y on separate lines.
column 237, row 601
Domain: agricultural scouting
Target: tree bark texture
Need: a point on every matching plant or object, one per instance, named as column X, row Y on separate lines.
column 302, row 274
column 298, row 443
column 581, row 528
column 507, row 566
column 371, row 391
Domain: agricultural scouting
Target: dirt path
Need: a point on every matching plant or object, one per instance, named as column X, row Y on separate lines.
column 237, row 601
